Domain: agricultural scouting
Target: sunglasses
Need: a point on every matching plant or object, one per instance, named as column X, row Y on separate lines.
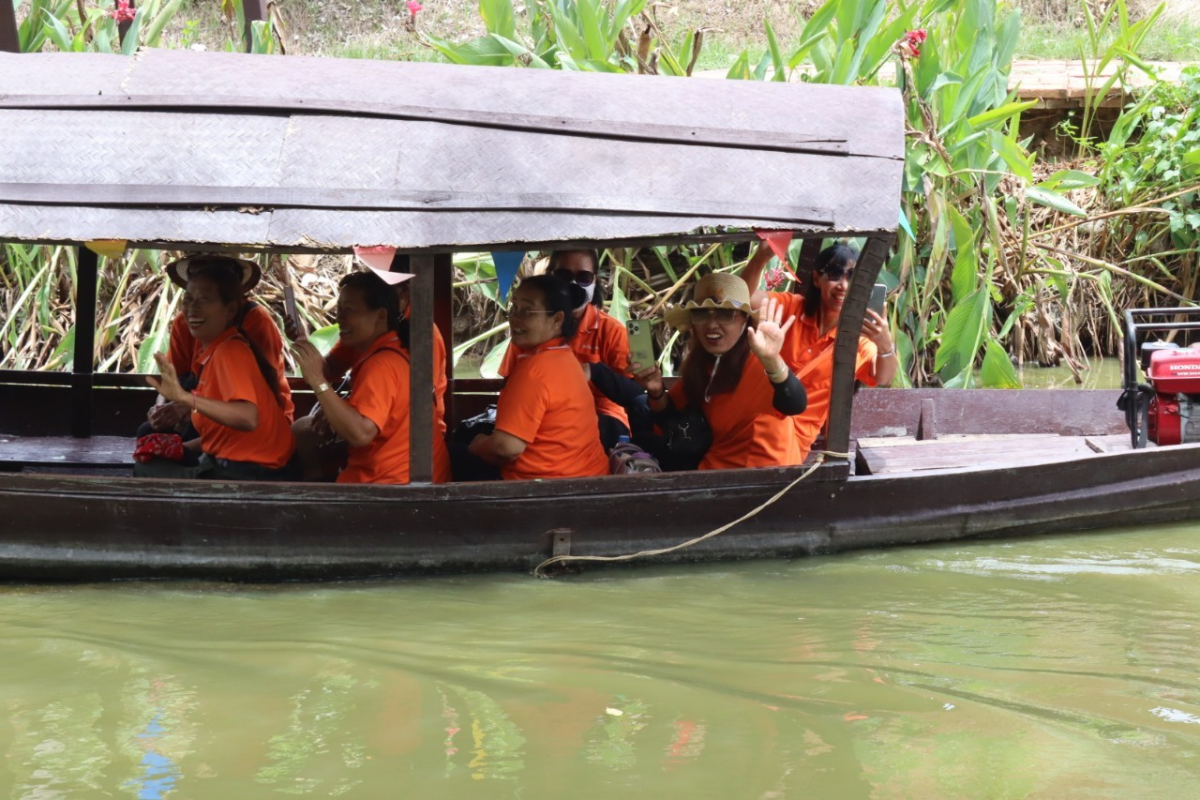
column 512, row 312
column 835, row 272
column 582, row 278
column 699, row 316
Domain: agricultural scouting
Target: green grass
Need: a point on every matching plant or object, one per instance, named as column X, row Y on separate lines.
column 1169, row 40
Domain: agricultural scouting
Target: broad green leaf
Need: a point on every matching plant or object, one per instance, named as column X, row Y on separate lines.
column 325, row 338
column 1018, row 161
column 520, row 52
column 1050, row 199
column 498, row 17
column 816, row 29
column 129, row 44
column 155, row 28
column 490, row 368
column 618, row 306
column 776, row 55
column 1067, row 179
column 963, row 333
column 997, row 371
column 740, row 71
column 57, row 32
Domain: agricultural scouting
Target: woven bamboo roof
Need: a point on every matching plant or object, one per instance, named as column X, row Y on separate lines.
column 184, row 149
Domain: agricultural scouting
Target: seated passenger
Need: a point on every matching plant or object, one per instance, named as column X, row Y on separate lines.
column 252, row 321
column 746, row 400
column 598, row 339
column 374, row 418
column 813, row 336
column 546, row 424
column 321, row 452
column 236, row 406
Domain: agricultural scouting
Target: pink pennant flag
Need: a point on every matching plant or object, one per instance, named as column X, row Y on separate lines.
column 778, row 241
column 377, row 258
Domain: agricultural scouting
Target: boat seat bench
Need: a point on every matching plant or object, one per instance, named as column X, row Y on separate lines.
column 906, row 454
column 33, row 453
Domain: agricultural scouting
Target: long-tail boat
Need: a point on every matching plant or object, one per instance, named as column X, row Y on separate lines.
column 192, row 151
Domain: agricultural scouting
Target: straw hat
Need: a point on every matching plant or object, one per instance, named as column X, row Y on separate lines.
column 715, row 290
column 177, row 271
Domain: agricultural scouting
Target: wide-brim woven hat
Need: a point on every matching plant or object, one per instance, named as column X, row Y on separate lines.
column 178, row 271
column 715, row 290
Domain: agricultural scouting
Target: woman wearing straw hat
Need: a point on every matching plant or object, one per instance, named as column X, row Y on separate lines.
column 748, row 401
column 252, row 321
column 235, row 405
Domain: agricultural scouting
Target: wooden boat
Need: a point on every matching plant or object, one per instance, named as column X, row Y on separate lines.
column 321, row 155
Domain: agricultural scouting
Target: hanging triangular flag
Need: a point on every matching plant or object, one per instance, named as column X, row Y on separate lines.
column 378, row 258
column 109, row 248
column 904, row 224
column 778, row 241
column 389, row 277
column 507, row 263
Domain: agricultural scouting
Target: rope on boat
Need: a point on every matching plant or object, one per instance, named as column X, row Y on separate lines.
column 821, row 454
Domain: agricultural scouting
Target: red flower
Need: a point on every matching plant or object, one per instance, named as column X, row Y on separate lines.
column 910, row 43
column 413, row 8
column 123, row 12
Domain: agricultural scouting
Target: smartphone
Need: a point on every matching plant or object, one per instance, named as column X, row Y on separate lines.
column 878, row 295
column 641, row 342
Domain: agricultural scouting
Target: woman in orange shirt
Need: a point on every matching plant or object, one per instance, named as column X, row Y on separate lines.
column 598, row 340
column 808, row 349
column 733, row 373
column 374, row 418
column 236, row 407
column 546, row 424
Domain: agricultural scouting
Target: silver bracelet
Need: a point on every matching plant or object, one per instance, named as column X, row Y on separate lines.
column 888, row 354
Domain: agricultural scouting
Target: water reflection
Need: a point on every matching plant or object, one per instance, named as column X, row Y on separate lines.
column 1058, row 666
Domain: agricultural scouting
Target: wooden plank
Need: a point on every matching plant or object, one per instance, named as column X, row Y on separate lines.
column 845, row 353
column 738, row 139
column 443, row 317
column 65, row 451
column 84, row 364
column 973, row 454
column 255, row 199
column 420, row 409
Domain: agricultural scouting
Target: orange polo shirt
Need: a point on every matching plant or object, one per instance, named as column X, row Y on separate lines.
column 228, row 372
column 379, row 391
column 600, row 339
column 184, row 350
column 804, row 342
column 341, row 357
column 546, row 404
column 747, row 430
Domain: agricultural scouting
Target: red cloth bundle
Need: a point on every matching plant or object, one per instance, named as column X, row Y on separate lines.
column 159, row 445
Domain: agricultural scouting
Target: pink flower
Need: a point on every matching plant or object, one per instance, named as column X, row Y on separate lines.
column 413, row 8
column 774, row 278
column 910, row 44
column 123, row 12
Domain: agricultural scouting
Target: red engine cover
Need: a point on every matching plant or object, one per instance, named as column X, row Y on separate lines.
column 1175, row 371
column 1163, row 426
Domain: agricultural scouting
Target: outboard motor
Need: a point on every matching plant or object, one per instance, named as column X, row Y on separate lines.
column 1166, row 410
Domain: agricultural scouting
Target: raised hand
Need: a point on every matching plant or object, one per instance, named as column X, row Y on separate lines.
column 310, row 362
column 767, row 337
column 649, row 378
column 167, row 383
column 875, row 328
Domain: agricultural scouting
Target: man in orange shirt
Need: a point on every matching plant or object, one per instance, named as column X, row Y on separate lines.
column 808, row 349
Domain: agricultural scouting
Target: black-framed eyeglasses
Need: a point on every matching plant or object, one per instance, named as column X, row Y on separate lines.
column 699, row 316
column 583, row 278
column 513, row 312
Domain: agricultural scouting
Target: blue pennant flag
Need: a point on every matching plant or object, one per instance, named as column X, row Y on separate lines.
column 507, row 263
column 905, row 226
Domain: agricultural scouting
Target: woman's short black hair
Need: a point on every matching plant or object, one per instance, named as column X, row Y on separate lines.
column 378, row 293
column 836, row 256
column 558, row 295
column 594, row 254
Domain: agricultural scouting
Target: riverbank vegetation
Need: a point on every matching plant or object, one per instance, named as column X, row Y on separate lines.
column 1005, row 256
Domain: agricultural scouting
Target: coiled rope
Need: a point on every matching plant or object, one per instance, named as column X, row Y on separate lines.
column 821, row 455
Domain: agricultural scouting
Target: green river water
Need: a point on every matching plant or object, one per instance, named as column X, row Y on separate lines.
column 1048, row 667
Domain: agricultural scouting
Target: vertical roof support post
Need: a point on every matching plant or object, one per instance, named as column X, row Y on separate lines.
column 420, row 375
column 443, row 317
column 845, row 352
column 253, row 11
column 10, row 41
column 86, row 269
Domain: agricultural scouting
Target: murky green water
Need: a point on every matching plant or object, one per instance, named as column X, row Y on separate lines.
column 1056, row 667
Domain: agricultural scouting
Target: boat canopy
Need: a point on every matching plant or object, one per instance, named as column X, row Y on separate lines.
column 191, row 149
